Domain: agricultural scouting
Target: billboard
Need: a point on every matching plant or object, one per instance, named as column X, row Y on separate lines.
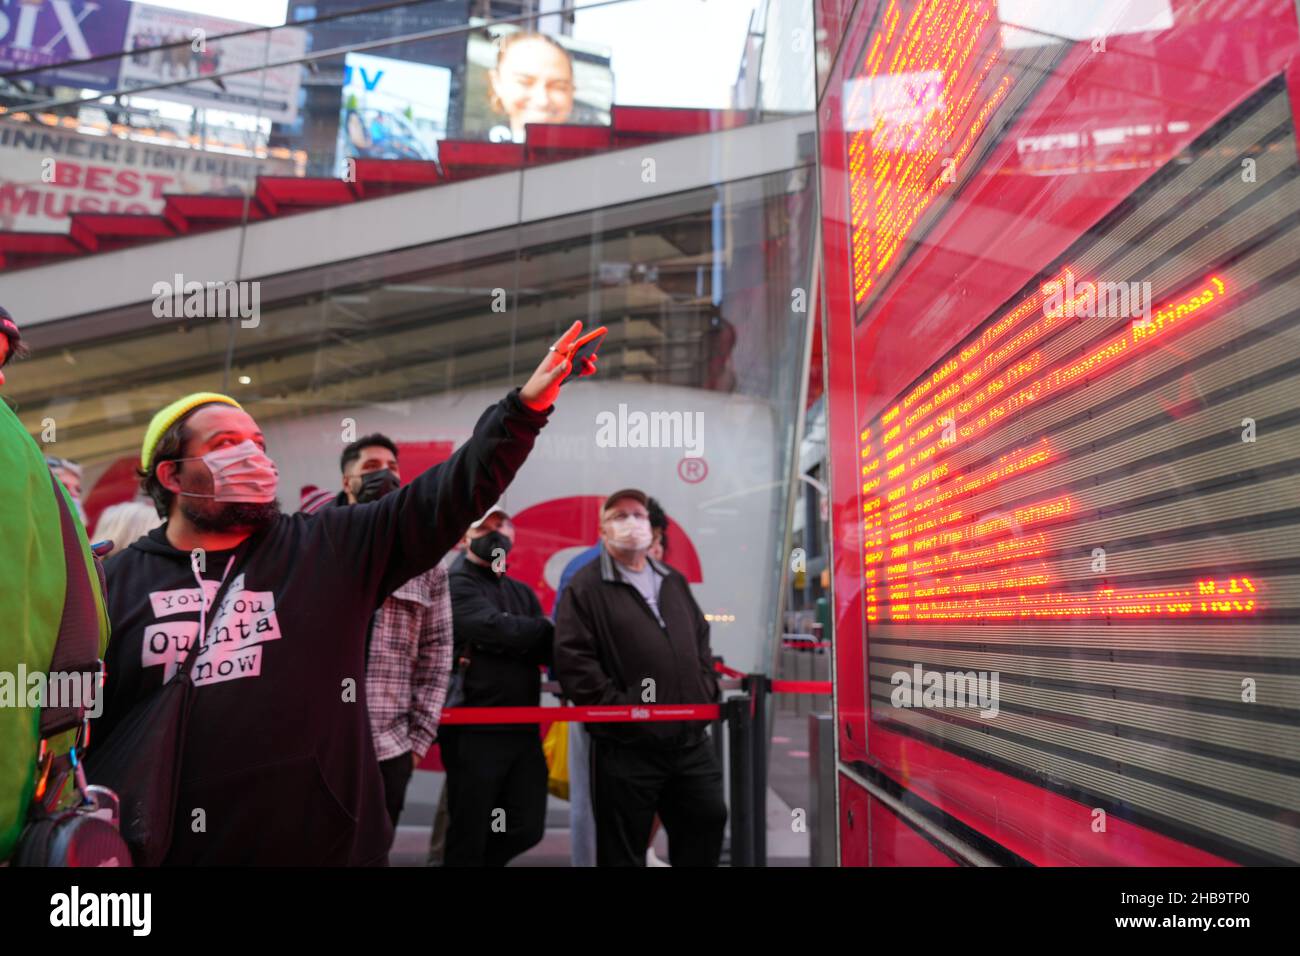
column 46, row 174
column 392, row 109
column 270, row 93
column 515, row 77
column 56, row 31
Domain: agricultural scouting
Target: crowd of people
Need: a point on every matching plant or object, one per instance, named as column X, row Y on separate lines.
column 323, row 646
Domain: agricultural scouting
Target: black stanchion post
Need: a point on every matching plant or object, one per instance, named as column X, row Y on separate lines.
column 719, row 747
column 758, row 690
column 740, row 730
column 718, row 724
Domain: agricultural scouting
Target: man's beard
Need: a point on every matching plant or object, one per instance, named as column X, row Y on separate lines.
column 232, row 515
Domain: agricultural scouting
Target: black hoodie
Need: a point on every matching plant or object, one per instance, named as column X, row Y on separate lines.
column 279, row 766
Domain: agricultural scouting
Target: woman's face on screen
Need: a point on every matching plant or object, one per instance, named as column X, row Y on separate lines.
column 534, row 83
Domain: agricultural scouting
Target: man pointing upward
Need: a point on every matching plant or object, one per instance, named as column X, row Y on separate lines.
column 278, row 766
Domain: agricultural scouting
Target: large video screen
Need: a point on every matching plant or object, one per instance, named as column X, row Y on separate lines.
column 1095, row 500
column 391, row 109
column 514, row 77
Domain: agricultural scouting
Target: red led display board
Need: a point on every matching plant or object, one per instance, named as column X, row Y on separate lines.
column 930, row 553
column 917, row 106
column 1061, row 280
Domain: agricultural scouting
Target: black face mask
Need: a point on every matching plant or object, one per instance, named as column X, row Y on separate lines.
column 376, row 484
column 484, row 547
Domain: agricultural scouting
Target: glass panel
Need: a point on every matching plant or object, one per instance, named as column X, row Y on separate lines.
column 1060, row 252
column 704, row 290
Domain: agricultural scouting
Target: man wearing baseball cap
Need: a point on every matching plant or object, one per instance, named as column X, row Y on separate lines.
column 502, row 638
column 278, row 762
column 628, row 631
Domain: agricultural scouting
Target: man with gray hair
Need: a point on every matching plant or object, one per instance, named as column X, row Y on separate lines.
column 628, row 631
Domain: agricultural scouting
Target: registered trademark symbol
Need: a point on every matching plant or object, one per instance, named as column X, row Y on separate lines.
column 692, row 470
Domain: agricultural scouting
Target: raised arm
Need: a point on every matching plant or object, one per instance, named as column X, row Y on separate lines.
column 406, row 533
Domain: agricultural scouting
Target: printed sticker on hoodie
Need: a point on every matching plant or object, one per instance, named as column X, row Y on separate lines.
column 241, row 625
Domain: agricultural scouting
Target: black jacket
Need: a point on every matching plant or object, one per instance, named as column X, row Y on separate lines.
column 499, row 623
column 608, row 641
column 278, row 754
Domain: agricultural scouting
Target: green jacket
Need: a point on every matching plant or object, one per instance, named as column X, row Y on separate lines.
column 33, row 586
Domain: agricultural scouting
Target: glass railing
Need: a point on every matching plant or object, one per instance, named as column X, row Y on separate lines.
column 173, row 102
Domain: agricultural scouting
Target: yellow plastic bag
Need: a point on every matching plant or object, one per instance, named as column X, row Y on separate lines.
column 556, row 748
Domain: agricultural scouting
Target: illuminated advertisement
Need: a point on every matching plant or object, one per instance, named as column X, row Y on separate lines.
column 200, row 57
column 392, row 109
column 40, row 34
column 513, row 78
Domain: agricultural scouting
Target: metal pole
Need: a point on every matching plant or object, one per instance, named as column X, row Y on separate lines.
column 740, row 731
column 758, row 690
column 821, row 770
column 719, row 724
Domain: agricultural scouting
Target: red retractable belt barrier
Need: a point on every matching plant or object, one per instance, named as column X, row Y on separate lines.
column 587, row 715
column 780, row 686
column 628, row 713
column 746, row 723
column 801, row 686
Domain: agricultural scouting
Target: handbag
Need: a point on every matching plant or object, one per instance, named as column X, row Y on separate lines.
column 555, row 746
column 83, row 835
column 142, row 760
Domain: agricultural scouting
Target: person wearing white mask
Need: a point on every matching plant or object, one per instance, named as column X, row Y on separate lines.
column 277, row 764
column 628, row 631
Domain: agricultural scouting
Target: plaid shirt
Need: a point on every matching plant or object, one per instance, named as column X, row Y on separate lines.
column 410, row 665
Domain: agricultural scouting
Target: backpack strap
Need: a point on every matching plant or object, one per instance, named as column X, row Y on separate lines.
column 76, row 651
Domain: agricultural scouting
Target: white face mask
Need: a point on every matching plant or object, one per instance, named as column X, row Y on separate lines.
column 240, row 473
column 631, row 533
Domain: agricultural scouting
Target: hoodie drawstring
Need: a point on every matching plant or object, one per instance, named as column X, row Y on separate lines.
column 203, row 600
